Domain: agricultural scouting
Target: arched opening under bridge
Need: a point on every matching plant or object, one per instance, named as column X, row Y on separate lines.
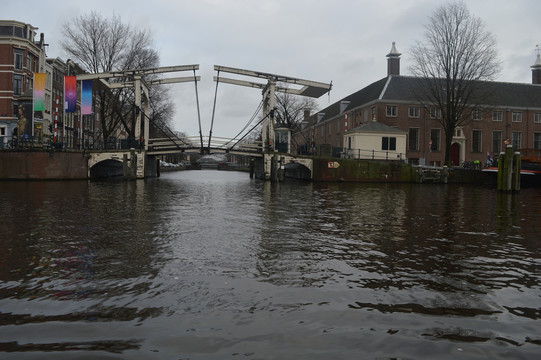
column 109, row 168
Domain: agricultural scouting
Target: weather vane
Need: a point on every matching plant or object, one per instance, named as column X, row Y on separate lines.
column 537, row 49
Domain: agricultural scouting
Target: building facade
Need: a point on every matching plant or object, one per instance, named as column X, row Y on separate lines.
column 21, row 56
column 512, row 114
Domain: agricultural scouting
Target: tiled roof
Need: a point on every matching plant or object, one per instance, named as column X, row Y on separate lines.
column 501, row 94
column 361, row 97
column 404, row 89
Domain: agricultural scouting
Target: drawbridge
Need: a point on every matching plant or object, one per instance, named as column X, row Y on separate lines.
column 269, row 84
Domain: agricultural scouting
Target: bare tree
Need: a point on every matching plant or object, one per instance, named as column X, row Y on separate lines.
column 290, row 109
column 103, row 45
column 453, row 64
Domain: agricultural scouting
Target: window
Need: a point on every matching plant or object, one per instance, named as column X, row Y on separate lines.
column 517, row 116
column 435, row 136
column 537, row 118
column 517, row 140
column 414, row 111
column 17, row 84
column 373, row 113
column 413, row 138
column 435, row 113
column 477, row 144
column 537, row 140
column 497, row 115
column 388, row 143
column 496, row 141
column 477, row 115
column 18, row 59
column 392, row 111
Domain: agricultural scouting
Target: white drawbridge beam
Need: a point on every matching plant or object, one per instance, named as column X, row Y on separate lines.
column 299, row 87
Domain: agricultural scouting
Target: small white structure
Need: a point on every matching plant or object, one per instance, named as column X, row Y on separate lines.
column 374, row 140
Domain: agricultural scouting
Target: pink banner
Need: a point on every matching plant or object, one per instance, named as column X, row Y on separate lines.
column 86, row 97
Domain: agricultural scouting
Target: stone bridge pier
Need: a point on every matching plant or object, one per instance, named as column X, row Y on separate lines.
column 129, row 164
column 277, row 165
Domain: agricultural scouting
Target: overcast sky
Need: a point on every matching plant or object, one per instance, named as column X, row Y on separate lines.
column 343, row 41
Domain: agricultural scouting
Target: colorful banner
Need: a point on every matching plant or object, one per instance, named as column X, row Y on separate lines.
column 70, row 93
column 86, row 97
column 39, row 91
column 24, row 123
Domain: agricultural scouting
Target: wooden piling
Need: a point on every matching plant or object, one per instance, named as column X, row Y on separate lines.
column 516, row 171
column 509, row 170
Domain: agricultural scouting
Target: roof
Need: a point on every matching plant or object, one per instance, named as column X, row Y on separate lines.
column 500, row 94
column 374, row 126
column 404, row 89
column 359, row 98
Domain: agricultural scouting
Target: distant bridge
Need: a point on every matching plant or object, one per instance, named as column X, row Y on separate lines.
column 161, row 146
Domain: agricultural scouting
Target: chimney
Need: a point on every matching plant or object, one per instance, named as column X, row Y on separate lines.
column 306, row 114
column 536, row 70
column 393, row 61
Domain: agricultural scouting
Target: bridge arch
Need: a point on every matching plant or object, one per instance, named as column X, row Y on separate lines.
column 297, row 171
column 107, row 168
column 129, row 164
column 290, row 165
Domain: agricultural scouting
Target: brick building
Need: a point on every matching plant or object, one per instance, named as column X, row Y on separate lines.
column 512, row 112
column 21, row 56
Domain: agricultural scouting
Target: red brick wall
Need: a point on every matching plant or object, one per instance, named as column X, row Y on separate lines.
column 28, row 165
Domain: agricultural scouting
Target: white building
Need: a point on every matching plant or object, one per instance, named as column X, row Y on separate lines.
column 374, row 140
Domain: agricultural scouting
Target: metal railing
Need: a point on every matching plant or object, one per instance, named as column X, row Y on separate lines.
column 372, row 154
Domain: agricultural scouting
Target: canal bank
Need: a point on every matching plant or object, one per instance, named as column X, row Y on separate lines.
column 76, row 165
column 330, row 169
column 61, row 165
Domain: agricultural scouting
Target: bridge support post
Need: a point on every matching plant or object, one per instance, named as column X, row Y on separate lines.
column 281, row 169
column 125, row 166
column 274, row 168
column 133, row 165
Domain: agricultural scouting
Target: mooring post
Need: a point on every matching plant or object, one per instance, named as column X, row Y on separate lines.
column 501, row 162
column 516, row 171
column 506, row 164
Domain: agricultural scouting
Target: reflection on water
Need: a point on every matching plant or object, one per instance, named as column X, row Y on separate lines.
column 213, row 265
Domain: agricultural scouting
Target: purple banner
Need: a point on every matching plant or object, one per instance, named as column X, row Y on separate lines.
column 70, row 93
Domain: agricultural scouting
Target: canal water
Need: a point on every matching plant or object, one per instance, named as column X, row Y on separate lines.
column 212, row 265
